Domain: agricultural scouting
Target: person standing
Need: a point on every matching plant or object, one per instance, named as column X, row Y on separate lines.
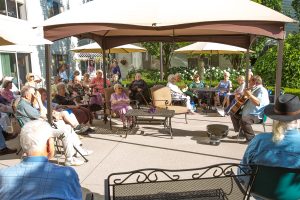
column 35, row 177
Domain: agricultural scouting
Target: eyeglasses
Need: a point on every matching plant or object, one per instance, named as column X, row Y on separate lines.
column 31, row 76
column 120, row 88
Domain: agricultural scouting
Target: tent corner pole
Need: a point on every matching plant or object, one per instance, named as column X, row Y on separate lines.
column 161, row 62
column 48, row 81
column 279, row 67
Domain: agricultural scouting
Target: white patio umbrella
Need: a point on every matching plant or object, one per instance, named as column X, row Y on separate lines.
column 95, row 48
column 210, row 48
column 15, row 31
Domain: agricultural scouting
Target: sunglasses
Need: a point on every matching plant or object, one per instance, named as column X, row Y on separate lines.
column 31, row 76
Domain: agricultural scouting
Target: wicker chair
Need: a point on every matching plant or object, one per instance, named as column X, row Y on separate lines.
column 162, row 98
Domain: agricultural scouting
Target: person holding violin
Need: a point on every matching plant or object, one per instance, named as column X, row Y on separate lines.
column 252, row 111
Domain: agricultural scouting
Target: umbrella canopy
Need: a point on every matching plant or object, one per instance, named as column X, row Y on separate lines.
column 16, row 31
column 228, row 21
column 210, row 48
column 95, row 48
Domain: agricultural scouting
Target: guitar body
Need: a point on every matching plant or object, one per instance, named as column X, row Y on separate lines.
column 237, row 106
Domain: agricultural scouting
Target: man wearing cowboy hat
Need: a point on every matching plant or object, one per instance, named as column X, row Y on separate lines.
column 253, row 110
column 279, row 148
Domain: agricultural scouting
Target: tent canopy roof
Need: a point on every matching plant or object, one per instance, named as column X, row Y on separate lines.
column 95, row 48
column 228, row 21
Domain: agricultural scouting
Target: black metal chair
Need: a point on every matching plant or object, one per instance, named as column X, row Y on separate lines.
column 213, row 182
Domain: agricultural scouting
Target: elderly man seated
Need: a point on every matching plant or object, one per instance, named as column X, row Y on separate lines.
column 26, row 113
column 35, row 177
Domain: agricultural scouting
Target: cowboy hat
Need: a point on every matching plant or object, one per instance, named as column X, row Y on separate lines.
column 286, row 108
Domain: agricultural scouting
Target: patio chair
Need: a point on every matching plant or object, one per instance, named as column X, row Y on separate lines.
column 276, row 183
column 108, row 112
column 212, row 182
column 162, row 98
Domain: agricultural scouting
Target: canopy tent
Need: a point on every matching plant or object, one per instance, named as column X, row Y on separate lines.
column 95, row 48
column 15, row 31
column 228, row 21
column 210, row 48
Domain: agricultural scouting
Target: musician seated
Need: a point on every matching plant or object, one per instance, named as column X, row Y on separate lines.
column 223, row 87
column 198, row 84
column 238, row 92
column 252, row 111
column 138, row 90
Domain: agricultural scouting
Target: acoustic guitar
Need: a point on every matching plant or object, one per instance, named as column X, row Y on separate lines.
column 239, row 104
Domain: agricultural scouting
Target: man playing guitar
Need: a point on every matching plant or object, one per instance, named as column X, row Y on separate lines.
column 252, row 111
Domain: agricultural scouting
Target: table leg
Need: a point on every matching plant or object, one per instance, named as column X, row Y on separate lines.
column 170, row 127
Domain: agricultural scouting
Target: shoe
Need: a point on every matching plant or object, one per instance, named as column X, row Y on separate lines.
column 90, row 130
column 10, row 136
column 74, row 162
column 6, row 150
column 124, row 127
column 220, row 111
column 84, row 152
column 77, row 128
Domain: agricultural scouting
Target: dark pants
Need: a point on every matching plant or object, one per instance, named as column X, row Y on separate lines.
column 244, row 122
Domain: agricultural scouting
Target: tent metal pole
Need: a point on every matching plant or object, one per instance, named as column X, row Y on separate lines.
column 48, row 81
column 247, row 67
column 279, row 68
column 161, row 62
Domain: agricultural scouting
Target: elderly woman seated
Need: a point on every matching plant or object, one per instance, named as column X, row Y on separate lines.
column 82, row 114
column 6, row 92
column 120, row 104
column 223, row 88
column 138, row 90
column 177, row 94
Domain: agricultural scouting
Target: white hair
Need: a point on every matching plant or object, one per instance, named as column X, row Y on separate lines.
column 34, row 136
column 280, row 127
column 60, row 86
column 117, row 85
column 171, row 78
column 26, row 90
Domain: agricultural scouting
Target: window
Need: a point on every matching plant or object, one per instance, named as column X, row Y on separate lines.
column 13, row 8
column 53, row 7
column 9, row 66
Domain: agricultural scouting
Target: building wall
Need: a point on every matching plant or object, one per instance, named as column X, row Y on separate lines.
column 288, row 10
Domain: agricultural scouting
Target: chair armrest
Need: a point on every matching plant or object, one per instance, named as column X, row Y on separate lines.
column 89, row 196
column 166, row 102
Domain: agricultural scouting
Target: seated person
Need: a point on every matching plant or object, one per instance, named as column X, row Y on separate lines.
column 198, row 84
column 177, row 94
column 82, row 114
column 253, row 110
column 35, row 177
column 32, row 81
column 97, row 82
column 238, row 92
column 57, row 80
column 115, row 80
column 25, row 113
column 76, row 89
column 5, row 121
column 183, row 87
column 223, row 87
column 3, row 148
column 59, row 113
column 138, row 90
column 6, row 92
column 86, row 81
column 120, row 104
column 279, row 148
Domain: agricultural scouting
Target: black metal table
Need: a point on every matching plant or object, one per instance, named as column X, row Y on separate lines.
column 145, row 116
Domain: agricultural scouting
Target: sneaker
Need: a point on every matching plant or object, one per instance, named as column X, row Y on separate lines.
column 84, row 152
column 6, row 150
column 220, row 110
column 74, row 162
column 238, row 137
column 77, row 128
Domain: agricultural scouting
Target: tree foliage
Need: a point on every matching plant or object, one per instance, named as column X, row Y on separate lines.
column 266, row 64
column 296, row 6
column 168, row 48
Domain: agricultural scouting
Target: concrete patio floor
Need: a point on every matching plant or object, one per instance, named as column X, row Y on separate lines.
column 150, row 147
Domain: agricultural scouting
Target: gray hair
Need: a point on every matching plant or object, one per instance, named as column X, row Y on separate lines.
column 60, row 86
column 171, row 78
column 34, row 136
column 117, row 85
column 25, row 91
column 280, row 127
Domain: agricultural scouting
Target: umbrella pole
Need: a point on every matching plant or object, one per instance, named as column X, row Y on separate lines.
column 161, row 61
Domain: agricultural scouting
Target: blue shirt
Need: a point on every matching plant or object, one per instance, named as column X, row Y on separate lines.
column 25, row 112
column 36, row 178
column 250, row 109
column 263, row 151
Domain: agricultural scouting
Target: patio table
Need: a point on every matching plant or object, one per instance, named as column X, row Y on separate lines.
column 209, row 93
column 158, row 116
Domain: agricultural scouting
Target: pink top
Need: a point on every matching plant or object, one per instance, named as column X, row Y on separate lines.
column 99, row 84
column 8, row 95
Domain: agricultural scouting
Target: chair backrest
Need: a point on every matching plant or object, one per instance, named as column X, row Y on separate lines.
column 212, row 182
column 160, row 94
column 276, row 183
column 109, row 91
